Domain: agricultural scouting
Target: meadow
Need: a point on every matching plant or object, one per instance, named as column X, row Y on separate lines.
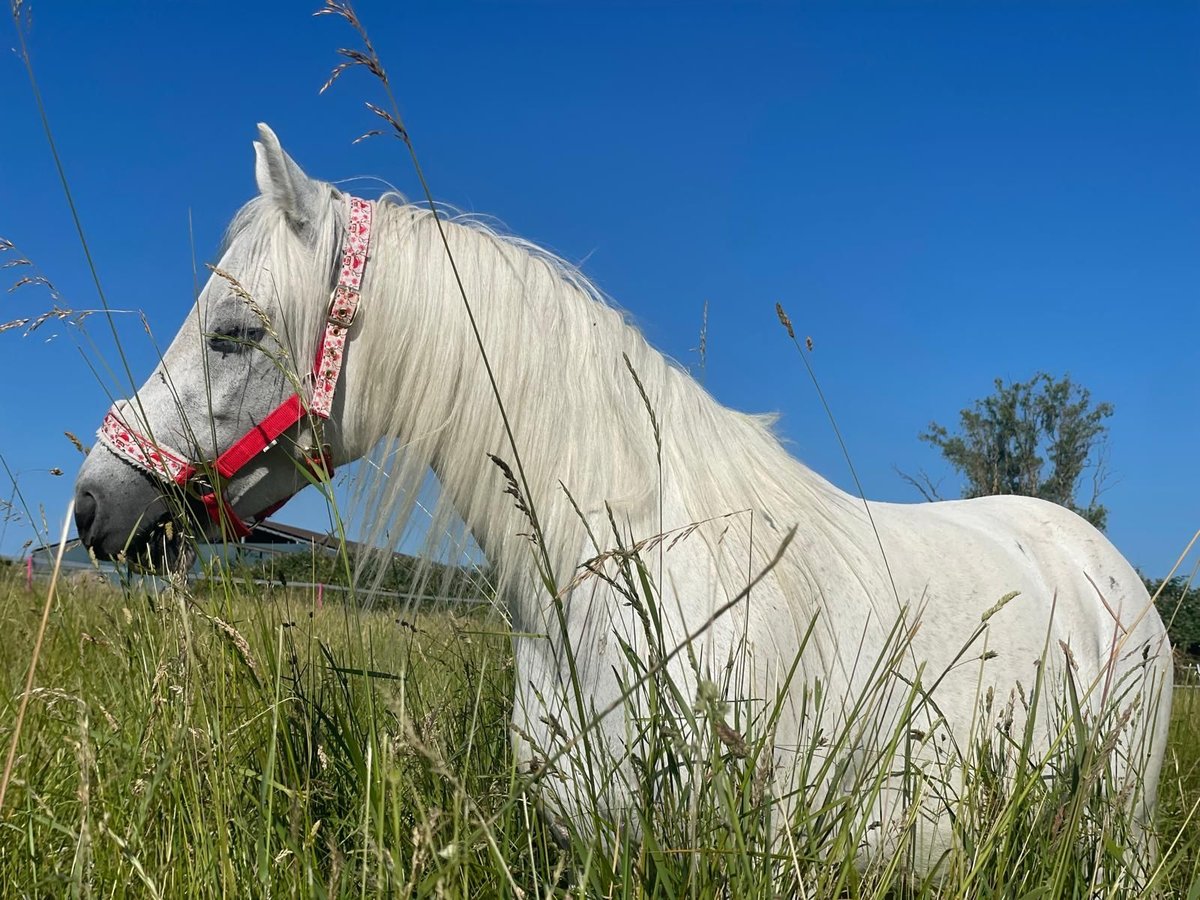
column 250, row 744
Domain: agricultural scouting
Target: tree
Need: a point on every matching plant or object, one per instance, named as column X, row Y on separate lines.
column 1036, row 438
column 1179, row 605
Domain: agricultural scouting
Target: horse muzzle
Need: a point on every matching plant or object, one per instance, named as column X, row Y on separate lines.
column 118, row 509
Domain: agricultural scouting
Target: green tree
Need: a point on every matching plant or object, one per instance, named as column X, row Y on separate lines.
column 1037, row 438
column 1179, row 605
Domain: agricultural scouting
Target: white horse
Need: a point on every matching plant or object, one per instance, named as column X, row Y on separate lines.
column 601, row 450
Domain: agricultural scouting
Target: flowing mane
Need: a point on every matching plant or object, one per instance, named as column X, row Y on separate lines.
column 557, row 348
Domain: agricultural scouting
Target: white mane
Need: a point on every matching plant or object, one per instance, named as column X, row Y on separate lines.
column 557, row 349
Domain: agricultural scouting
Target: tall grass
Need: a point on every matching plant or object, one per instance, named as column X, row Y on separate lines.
column 203, row 746
column 250, row 744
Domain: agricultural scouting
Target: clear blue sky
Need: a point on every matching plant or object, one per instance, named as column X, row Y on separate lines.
column 939, row 194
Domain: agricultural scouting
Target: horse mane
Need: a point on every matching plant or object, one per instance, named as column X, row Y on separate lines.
column 598, row 437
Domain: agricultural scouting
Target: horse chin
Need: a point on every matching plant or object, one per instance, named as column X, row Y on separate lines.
column 156, row 547
column 164, row 550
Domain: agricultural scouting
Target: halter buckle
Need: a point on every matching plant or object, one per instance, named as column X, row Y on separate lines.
column 348, row 298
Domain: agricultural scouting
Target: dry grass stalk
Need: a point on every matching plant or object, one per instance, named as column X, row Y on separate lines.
column 513, row 489
column 33, row 660
column 594, row 567
column 240, row 644
column 785, row 321
column 58, row 310
column 733, row 741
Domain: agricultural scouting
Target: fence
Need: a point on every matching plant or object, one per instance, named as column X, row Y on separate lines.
column 156, row 584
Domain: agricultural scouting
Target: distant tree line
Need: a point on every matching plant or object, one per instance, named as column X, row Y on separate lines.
column 1179, row 606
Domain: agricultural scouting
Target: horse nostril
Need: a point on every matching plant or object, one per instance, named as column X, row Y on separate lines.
column 85, row 515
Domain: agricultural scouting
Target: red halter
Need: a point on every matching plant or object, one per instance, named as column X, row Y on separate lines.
column 174, row 467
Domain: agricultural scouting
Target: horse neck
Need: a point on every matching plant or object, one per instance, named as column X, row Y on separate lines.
column 604, row 428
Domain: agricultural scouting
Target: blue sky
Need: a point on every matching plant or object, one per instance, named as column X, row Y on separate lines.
column 938, row 194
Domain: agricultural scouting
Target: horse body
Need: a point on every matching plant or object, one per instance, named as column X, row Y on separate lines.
column 617, row 444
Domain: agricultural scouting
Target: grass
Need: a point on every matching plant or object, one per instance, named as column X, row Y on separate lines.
column 201, row 749
column 237, row 744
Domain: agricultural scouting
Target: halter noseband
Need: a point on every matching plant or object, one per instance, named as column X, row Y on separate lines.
column 173, row 467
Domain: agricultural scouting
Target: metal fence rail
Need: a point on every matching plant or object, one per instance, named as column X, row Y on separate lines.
column 157, row 584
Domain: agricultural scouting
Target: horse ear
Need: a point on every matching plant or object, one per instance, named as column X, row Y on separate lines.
column 280, row 179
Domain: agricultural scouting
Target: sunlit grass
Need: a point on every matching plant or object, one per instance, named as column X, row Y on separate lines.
column 237, row 744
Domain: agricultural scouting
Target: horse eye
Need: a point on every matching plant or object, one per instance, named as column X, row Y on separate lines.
column 235, row 338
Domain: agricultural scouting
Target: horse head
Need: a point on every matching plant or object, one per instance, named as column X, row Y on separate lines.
column 237, row 416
